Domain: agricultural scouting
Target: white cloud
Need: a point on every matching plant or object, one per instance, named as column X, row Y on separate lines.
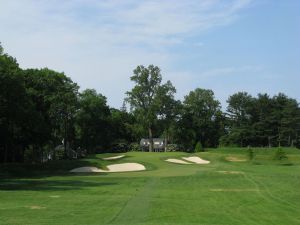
column 98, row 43
column 227, row 71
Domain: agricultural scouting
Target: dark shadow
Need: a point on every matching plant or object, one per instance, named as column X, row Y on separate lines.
column 40, row 170
column 48, row 185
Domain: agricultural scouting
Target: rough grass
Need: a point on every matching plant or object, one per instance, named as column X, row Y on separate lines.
column 263, row 191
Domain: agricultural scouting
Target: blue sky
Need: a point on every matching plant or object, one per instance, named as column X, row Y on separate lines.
column 223, row 45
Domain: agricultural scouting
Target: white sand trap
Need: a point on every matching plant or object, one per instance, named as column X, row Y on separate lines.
column 196, row 159
column 114, row 157
column 179, row 161
column 125, row 167
column 122, row 167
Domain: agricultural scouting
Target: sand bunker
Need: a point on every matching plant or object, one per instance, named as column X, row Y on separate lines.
column 235, row 159
column 196, row 159
column 122, row 167
column 230, row 172
column 179, row 161
column 114, row 157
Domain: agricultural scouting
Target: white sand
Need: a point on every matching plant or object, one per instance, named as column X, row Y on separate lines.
column 114, row 157
column 126, row 167
column 177, row 161
column 196, row 159
column 122, row 167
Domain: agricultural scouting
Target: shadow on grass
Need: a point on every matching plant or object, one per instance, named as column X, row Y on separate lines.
column 40, row 170
column 48, row 185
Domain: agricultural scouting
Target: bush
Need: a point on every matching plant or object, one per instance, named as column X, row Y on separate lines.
column 251, row 153
column 298, row 143
column 173, row 147
column 199, row 147
column 135, row 147
column 120, row 147
column 280, row 154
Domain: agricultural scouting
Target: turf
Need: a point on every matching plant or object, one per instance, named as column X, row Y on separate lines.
column 262, row 191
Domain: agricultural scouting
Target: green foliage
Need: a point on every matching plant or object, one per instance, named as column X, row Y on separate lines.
column 42, row 107
column 298, row 143
column 280, row 154
column 93, row 121
column 201, row 119
column 199, row 147
column 173, row 147
column 135, row 147
column 149, row 97
column 251, row 153
column 1, row 49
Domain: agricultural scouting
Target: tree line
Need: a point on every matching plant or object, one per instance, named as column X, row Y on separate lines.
column 42, row 109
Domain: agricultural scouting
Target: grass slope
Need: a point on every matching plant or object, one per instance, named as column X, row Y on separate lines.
column 262, row 192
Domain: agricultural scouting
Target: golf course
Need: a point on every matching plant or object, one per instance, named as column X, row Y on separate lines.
column 230, row 190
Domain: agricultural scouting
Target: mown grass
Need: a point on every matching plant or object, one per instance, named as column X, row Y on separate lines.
column 261, row 191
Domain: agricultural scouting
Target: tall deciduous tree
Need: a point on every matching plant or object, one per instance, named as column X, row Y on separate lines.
column 55, row 98
column 13, row 107
column 146, row 96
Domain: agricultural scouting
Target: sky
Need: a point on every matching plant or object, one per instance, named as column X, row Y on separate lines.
column 223, row 45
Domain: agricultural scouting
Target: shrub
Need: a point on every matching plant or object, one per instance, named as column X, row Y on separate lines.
column 120, row 147
column 280, row 154
column 298, row 143
column 135, row 147
column 199, row 147
column 251, row 153
column 173, row 147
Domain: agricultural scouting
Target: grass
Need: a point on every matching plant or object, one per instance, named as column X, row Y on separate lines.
column 262, row 191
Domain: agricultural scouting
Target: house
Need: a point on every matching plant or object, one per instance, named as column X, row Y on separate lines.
column 158, row 144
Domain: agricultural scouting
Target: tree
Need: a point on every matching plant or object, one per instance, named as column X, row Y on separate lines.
column 168, row 110
column 93, row 121
column 287, row 117
column 14, row 108
column 55, row 99
column 1, row 49
column 200, row 113
column 145, row 97
column 240, row 106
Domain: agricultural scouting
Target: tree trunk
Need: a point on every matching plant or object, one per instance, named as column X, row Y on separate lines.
column 150, row 139
column 65, row 139
column 5, row 153
column 166, row 141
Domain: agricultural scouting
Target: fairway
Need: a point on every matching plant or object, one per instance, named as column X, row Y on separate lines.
column 223, row 192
